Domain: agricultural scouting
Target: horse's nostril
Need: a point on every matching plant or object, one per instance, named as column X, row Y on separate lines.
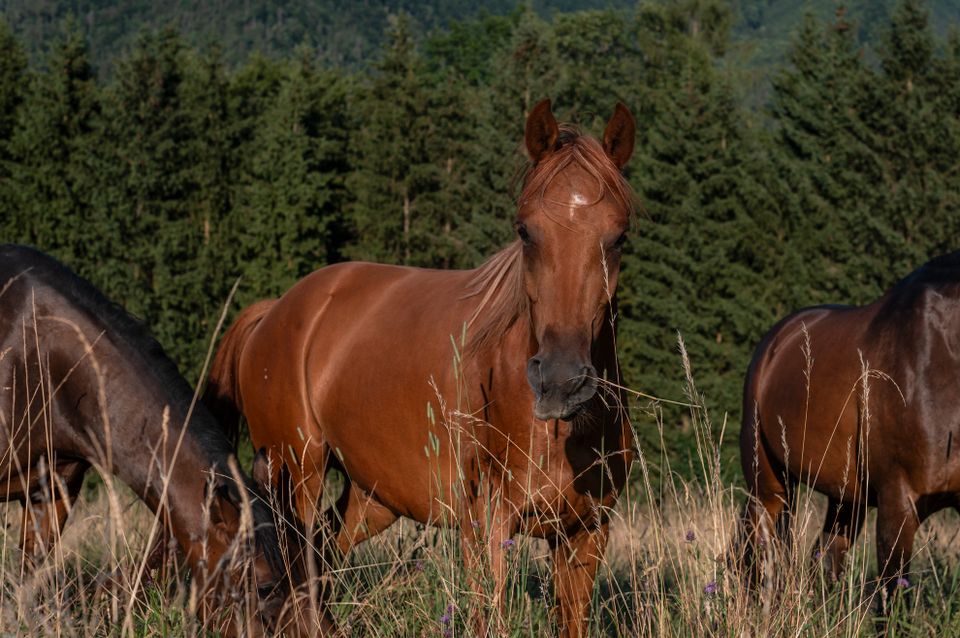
column 585, row 376
column 535, row 374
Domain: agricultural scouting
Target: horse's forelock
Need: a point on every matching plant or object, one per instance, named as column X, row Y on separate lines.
column 589, row 155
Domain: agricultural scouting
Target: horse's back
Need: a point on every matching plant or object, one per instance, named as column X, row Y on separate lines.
column 347, row 356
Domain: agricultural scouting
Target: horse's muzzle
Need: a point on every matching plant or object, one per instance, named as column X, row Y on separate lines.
column 560, row 390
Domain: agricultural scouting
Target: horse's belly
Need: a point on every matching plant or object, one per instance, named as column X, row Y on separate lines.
column 395, row 445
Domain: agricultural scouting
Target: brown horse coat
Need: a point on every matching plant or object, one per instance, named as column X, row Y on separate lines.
column 860, row 403
column 460, row 397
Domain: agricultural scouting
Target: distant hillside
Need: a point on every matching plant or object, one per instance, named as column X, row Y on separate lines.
column 767, row 26
column 345, row 33
column 349, row 33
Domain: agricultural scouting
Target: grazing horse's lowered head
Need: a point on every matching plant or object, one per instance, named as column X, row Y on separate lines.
column 83, row 384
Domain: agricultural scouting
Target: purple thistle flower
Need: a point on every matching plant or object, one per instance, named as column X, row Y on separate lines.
column 903, row 582
column 448, row 632
column 451, row 608
column 445, row 619
column 711, row 587
column 507, row 544
column 817, row 555
column 690, row 536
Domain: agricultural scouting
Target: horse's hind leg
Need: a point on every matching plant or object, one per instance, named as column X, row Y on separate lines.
column 840, row 530
column 767, row 509
column 45, row 512
column 356, row 517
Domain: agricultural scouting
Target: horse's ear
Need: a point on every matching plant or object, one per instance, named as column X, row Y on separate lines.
column 620, row 135
column 261, row 470
column 542, row 131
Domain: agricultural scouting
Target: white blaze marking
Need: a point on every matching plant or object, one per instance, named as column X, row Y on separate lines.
column 576, row 200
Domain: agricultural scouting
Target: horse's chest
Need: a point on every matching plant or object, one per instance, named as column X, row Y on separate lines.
column 543, row 478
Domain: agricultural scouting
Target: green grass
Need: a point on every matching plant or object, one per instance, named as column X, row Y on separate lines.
column 667, row 545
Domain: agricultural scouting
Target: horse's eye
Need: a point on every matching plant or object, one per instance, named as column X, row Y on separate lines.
column 523, row 234
column 266, row 591
column 621, row 240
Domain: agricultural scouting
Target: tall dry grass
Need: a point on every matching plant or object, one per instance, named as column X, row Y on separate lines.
column 665, row 572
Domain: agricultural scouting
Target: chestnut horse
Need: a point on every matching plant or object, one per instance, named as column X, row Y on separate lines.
column 84, row 384
column 465, row 398
column 860, row 404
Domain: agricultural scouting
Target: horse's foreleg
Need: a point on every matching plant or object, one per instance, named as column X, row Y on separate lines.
column 45, row 514
column 840, row 530
column 486, row 538
column 575, row 561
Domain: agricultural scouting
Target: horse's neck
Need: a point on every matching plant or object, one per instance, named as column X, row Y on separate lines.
column 150, row 449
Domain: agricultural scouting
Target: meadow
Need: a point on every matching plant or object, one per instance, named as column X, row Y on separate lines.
column 666, row 570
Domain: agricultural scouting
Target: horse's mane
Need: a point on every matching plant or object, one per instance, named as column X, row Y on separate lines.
column 499, row 281
column 123, row 326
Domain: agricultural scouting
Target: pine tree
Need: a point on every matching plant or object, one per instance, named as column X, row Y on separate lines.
column 154, row 142
column 706, row 254
column 828, row 162
column 13, row 63
column 53, row 147
column 398, row 172
column 290, row 212
column 913, row 121
column 599, row 64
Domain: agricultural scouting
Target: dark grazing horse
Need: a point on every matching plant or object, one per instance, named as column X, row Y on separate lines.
column 81, row 384
column 466, row 398
column 860, row 403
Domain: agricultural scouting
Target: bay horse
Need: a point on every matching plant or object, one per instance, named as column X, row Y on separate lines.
column 465, row 398
column 861, row 404
column 84, row 384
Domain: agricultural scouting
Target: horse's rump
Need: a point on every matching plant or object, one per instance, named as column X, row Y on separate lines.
column 222, row 395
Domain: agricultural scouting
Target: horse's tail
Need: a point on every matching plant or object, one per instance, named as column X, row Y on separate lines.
column 222, row 395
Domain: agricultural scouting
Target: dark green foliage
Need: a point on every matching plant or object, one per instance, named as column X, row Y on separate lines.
column 13, row 63
column 341, row 33
column 53, row 153
column 183, row 170
column 706, row 256
column 288, row 218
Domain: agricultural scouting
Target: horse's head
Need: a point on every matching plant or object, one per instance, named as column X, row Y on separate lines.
column 573, row 216
column 241, row 553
